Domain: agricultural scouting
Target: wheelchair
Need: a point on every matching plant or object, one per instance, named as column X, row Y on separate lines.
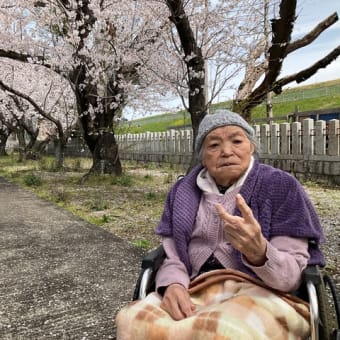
column 317, row 288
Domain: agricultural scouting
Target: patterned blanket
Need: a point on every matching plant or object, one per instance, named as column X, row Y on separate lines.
column 229, row 305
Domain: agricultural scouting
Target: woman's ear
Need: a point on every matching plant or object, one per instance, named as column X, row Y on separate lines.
column 252, row 148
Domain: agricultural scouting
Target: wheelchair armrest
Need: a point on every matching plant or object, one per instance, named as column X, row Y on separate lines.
column 154, row 258
column 150, row 265
column 312, row 274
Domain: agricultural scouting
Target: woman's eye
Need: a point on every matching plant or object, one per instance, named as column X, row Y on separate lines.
column 213, row 145
column 237, row 141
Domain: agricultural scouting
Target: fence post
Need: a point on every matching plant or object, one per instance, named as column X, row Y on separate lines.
column 190, row 141
column 142, row 142
column 308, row 138
column 184, row 141
column 163, row 143
column 274, row 139
column 142, row 145
column 320, row 137
column 296, row 138
column 257, row 133
column 285, row 138
column 148, row 142
column 333, row 138
column 264, row 132
column 135, row 138
column 172, row 141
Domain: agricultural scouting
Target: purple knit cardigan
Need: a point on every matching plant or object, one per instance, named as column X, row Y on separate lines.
column 277, row 199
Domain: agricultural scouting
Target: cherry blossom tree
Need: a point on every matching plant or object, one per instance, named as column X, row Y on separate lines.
column 7, row 127
column 260, row 53
column 211, row 40
column 54, row 129
column 13, row 117
column 94, row 46
column 44, row 110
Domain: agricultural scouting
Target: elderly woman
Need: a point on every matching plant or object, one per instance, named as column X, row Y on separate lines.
column 233, row 212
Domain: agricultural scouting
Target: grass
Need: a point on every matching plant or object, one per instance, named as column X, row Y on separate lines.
column 281, row 109
column 129, row 206
column 32, row 180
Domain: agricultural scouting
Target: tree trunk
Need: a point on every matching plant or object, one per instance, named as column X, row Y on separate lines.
column 59, row 153
column 269, row 107
column 105, row 156
column 3, row 141
column 30, row 152
column 98, row 131
column 196, row 67
column 22, row 144
column 197, row 114
column 40, row 146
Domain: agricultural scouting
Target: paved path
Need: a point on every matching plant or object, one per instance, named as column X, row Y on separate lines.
column 60, row 277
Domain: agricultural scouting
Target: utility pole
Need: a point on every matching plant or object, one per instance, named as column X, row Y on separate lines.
column 206, row 66
column 269, row 104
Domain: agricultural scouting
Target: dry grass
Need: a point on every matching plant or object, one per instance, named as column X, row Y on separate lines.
column 130, row 206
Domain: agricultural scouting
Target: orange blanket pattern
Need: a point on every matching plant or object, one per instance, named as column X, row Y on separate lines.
column 230, row 305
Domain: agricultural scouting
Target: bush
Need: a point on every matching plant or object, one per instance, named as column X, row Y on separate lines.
column 76, row 165
column 32, row 180
column 60, row 194
column 144, row 244
column 124, row 180
column 151, row 196
column 97, row 204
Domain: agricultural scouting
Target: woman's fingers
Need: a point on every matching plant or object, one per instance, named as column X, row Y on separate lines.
column 223, row 214
column 177, row 303
column 246, row 211
column 244, row 233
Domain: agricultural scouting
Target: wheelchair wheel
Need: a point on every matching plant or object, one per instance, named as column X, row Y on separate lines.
column 333, row 307
column 324, row 313
column 135, row 295
column 328, row 309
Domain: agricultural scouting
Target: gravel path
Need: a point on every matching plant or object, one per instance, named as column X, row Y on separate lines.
column 327, row 203
column 60, row 277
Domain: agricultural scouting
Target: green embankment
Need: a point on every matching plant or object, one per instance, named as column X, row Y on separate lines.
column 304, row 98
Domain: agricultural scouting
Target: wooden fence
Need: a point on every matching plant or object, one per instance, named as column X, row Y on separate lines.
column 308, row 149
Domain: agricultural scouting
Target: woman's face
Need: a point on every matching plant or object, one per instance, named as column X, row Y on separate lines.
column 226, row 154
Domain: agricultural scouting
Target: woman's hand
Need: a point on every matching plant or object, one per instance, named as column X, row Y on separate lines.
column 176, row 301
column 244, row 233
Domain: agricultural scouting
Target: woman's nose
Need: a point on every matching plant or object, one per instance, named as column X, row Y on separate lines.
column 226, row 149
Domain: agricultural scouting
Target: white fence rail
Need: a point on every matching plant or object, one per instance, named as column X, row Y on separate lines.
column 310, row 149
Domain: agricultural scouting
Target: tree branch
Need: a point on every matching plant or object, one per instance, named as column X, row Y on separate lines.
column 26, row 58
column 308, row 72
column 282, row 29
column 5, row 87
column 312, row 35
column 29, row 59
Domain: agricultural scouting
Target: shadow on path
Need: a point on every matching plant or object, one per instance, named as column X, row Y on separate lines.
column 60, row 277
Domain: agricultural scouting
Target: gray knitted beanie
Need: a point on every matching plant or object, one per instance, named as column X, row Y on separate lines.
column 220, row 118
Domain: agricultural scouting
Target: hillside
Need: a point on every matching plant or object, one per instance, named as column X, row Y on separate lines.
column 319, row 96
